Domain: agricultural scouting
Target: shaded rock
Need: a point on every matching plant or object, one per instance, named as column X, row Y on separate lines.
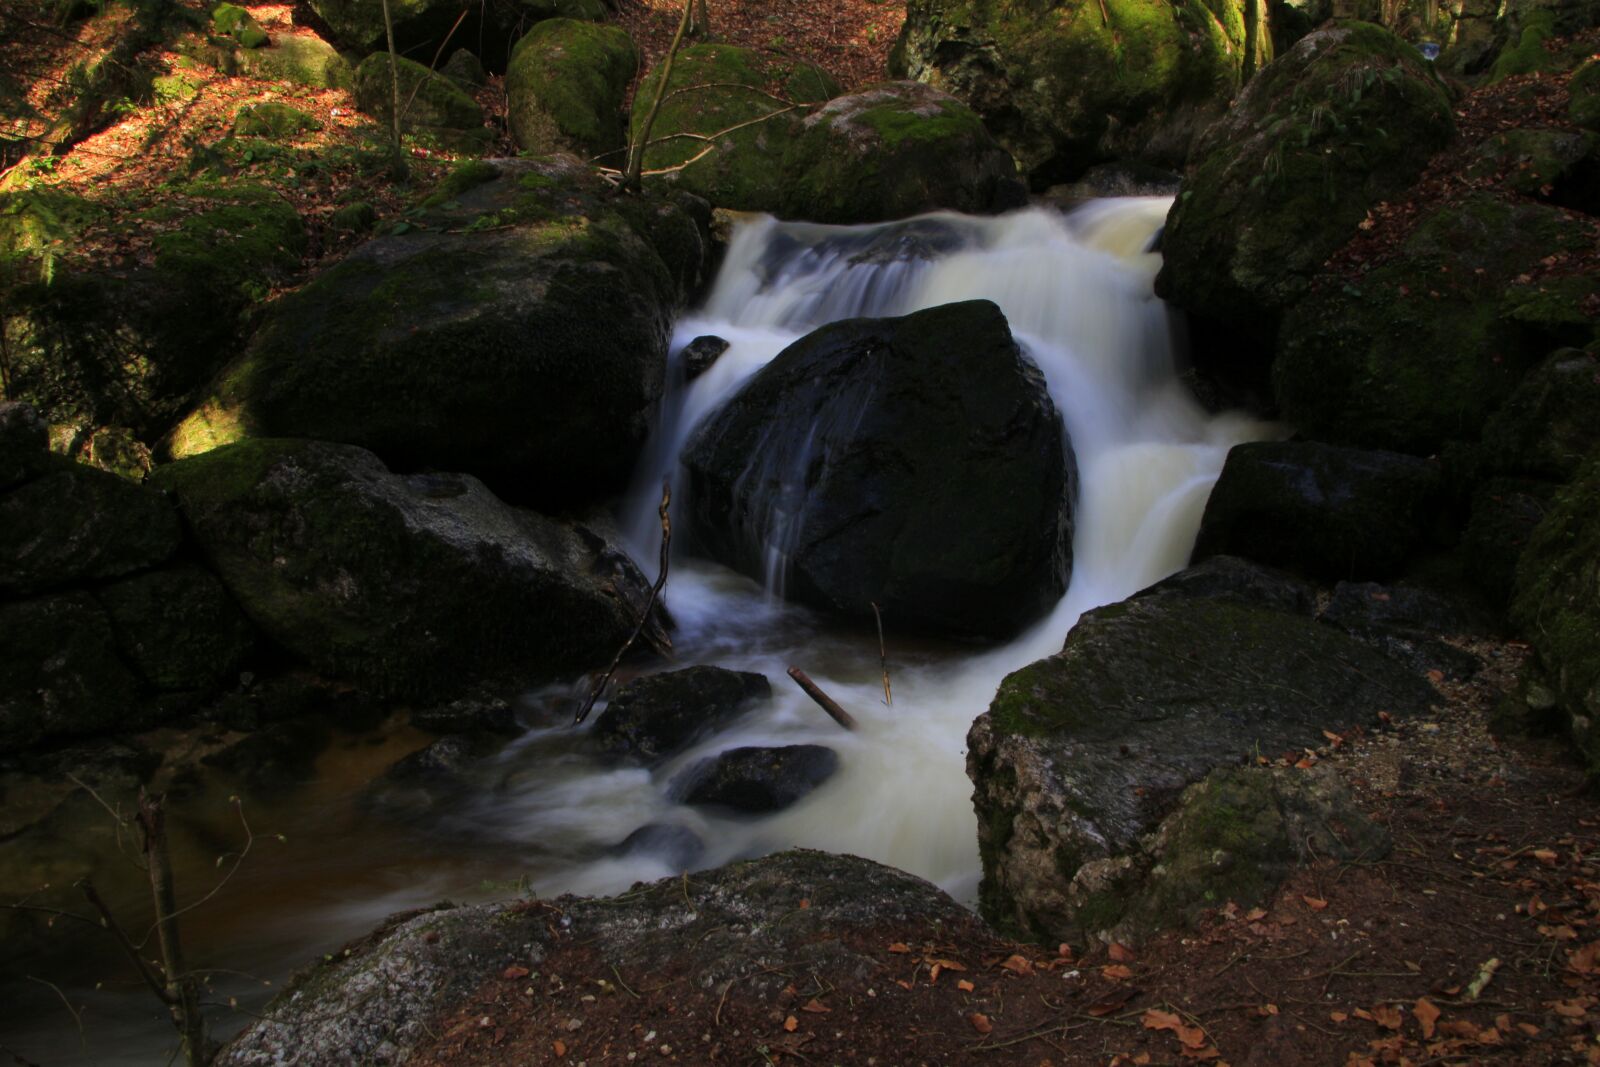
column 677, row 846
column 1064, row 85
column 1504, row 514
column 419, row 586
column 465, row 70
column 1347, row 117
column 60, row 675
column 529, row 349
column 698, row 355
column 1321, row 510
column 658, row 715
column 487, row 715
column 1558, row 166
column 914, row 462
column 1234, row 836
column 1117, row 179
column 756, row 780
column 437, row 107
column 1584, row 92
column 1556, row 605
column 1383, row 362
column 714, row 88
column 24, row 444
column 892, row 150
column 1083, row 753
column 1240, row 580
column 1546, row 428
column 113, row 449
column 178, row 627
column 565, row 88
column 74, row 523
column 444, row 761
column 275, row 757
column 1407, row 622
column 383, row 997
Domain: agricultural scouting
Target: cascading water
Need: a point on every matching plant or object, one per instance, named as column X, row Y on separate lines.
column 1076, row 290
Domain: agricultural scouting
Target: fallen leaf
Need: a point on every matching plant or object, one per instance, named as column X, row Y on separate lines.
column 816, row 1007
column 1585, row 960
column 948, row 965
column 1363, row 1013
column 1064, row 950
column 805, row 902
column 1188, row 1036
column 1112, row 1001
column 1205, row 1053
column 965, row 986
column 1427, row 1015
column 1120, row 953
column 791, row 1024
column 1255, row 914
column 1117, row 972
column 1387, row 1016
column 1338, row 1016
column 1545, row 856
column 1570, row 1009
column 1267, row 1009
column 900, row 948
column 560, row 1047
column 1018, row 965
column 1315, row 903
column 515, row 971
column 1560, row 933
column 980, row 1022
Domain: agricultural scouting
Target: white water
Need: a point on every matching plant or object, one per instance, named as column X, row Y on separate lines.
column 1077, row 292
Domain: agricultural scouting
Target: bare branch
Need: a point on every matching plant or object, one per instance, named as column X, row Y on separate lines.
column 77, row 1016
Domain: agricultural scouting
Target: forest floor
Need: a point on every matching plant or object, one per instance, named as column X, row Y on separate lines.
column 1476, row 939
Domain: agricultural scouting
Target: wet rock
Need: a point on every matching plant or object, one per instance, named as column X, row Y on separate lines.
column 917, row 463
column 1321, row 510
column 24, row 443
column 656, row 716
column 1407, row 621
column 698, row 355
column 278, row 756
column 677, row 846
column 445, row 761
column 73, row 523
column 1232, row 578
column 1085, row 752
column 385, row 996
column 472, row 715
column 756, row 780
column 60, row 674
column 424, row 586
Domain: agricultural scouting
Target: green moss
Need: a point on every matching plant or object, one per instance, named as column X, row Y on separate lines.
column 1584, row 91
column 272, row 119
column 230, row 20
column 175, row 88
column 1528, row 54
column 565, row 86
column 431, row 104
column 465, row 175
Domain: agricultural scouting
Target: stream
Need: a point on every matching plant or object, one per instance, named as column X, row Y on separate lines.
column 544, row 817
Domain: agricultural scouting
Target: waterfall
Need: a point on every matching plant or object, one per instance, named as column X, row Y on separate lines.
column 1077, row 291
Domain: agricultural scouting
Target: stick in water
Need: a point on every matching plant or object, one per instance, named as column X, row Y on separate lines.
column 824, row 701
column 883, row 656
column 644, row 616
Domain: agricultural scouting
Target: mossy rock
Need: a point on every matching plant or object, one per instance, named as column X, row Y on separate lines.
column 465, row 69
column 414, row 586
column 359, row 217
column 123, row 345
column 1547, row 427
column 521, row 336
column 419, row 25
column 1084, row 753
column 1584, row 90
column 1504, row 514
column 538, row 10
column 565, row 86
column 1065, row 84
column 43, row 218
column 231, row 20
column 431, row 104
column 1556, row 605
column 178, row 627
column 273, row 120
column 714, row 88
column 301, row 59
column 178, row 87
column 1558, row 166
column 893, row 150
column 1421, row 350
column 1344, row 119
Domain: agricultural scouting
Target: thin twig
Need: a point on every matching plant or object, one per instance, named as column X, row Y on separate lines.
column 650, row 606
column 110, row 924
column 623, row 984
column 883, row 656
column 249, row 839
column 77, row 1016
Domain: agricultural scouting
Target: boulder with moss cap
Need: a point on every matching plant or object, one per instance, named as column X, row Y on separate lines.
column 565, row 87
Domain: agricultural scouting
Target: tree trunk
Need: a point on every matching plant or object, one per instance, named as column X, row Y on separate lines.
column 635, row 168
column 180, row 991
column 397, row 162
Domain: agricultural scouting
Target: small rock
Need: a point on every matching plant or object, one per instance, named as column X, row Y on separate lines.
column 757, row 779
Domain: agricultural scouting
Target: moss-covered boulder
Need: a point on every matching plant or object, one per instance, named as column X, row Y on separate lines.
column 1558, row 166
column 431, row 105
column 423, row 585
column 521, row 336
column 127, row 345
column 1547, row 426
column 1584, row 95
column 60, row 674
column 1065, row 84
column 419, row 25
column 300, row 58
column 1320, row 510
column 917, row 463
column 538, row 10
column 72, row 523
column 273, row 119
column 1504, row 513
column 178, row 627
column 732, row 111
column 1345, row 118
column 1420, row 350
column 565, row 86
column 892, row 150
column 1083, row 754
column 231, row 20
column 1556, row 605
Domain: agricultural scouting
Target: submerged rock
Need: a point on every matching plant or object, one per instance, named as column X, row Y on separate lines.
column 1084, row 753
column 677, row 846
column 917, row 463
column 1321, row 510
column 656, row 716
column 700, row 354
column 386, row 997
column 418, row 586
column 757, row 780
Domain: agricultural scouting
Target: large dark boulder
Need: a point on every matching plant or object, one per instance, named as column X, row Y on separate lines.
column 73, row 523
column 1347, row 117
column 396, row 991
column 1321, row 510
column 1065, row 84
column 24, row 443
column 178, row 627
column 1421, row 350
column 757, row 780
column 522, row 337
column 60, row 674
column 655, row 716
column 565, row 87
column 417, row 586
column 1547, row 426
column 917, row 463
column 1083, row 754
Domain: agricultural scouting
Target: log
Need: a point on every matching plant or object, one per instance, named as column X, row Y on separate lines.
column 824, row 701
